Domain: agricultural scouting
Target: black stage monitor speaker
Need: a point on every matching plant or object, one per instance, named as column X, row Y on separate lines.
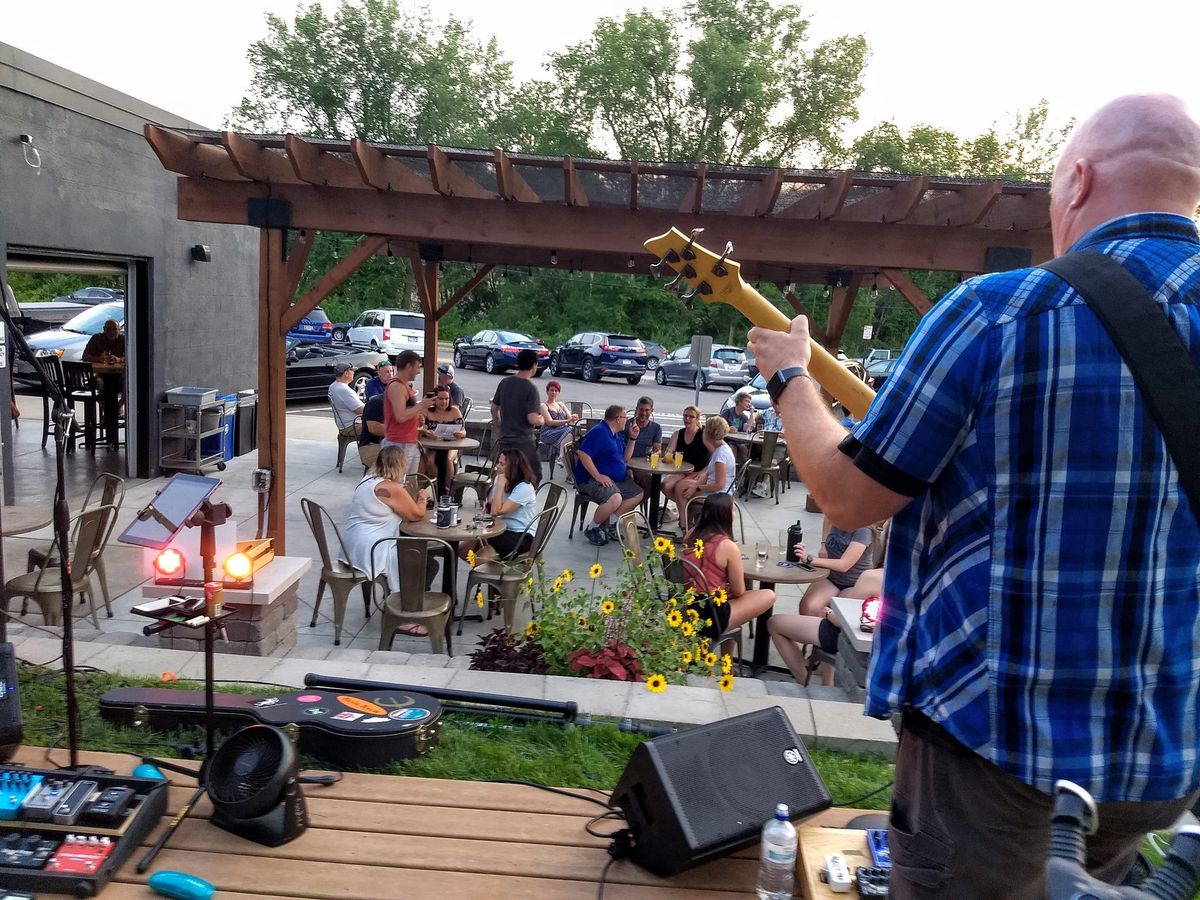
column 252, row 784
column 10, row 704
column 701, row 793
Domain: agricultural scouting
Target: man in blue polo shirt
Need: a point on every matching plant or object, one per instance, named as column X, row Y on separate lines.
column 1041, row 604
column 600, row 473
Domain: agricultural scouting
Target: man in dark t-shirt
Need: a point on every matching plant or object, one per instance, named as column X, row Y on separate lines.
column 516, row 409
column 106, row 346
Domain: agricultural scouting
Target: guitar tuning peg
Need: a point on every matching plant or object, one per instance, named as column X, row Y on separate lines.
column 702, row 288
column 656, row 267
column 719, row 267
column 687, row 250
column 670, row 285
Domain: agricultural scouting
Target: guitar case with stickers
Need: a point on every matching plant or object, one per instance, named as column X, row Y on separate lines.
column 342, row 728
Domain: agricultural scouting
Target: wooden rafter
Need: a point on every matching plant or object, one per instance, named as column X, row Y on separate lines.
column 379, row 171
column 512, row 186
column 458, row 296
column 823, row 202
column 814, row 327
column 1020, row 212
column 694, row 199
column 257, row 163
column 840, row 303
column 297, row 257
column 179, row 153
column 893, row 204
column 316, row 166
column 451, row 181
column 633, row 184
column 965, row 206
column 332, row 280
column 914, row 295
column 573, row 192
column 761, row 198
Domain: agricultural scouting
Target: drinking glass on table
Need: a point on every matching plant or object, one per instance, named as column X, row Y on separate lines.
column 760, row 553
column 654, row 458
column 678, row 458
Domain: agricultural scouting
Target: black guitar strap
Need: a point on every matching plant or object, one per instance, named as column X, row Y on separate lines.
column 1161, row 366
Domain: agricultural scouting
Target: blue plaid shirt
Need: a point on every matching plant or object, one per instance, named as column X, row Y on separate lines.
column 1042, row 592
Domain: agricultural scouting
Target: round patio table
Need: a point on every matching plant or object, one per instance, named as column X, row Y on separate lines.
column 440, row 446
column 20, row 518
column 774, row 570
column 465, row 530
column 641, row 464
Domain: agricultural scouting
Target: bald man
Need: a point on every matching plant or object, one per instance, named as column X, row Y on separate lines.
column 1041, row 614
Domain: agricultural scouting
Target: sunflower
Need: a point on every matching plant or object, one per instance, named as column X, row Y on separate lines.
column 686, row 629
column 698, row 548
column 672, row 603
column 719, row 596
column 693, row 615
column 479, row 599
column 529, row 582
column 690, row 595
column 686, row 657
column 607, row 607
column 581, row 621
column 531, row 630
column 726, row 663
column 671, row 552
column 596, row 570
column 656, row 684
column 567, row 575
column 661, row 544
column 710, row 659
column 725, row 682
column 708, row 623
column 471, row 558
column 674, row 618
column 557, row 586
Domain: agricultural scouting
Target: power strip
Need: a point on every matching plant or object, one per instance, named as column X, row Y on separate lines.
column 837, row 875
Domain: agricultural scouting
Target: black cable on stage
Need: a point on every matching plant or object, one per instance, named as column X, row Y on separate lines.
column 866, row 796
column 552, row 790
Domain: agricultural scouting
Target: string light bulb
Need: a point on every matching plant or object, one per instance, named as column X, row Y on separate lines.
column 554, row 257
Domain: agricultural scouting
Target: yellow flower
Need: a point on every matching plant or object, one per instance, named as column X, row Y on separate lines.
column 686, row 657
column 708, row 623
column 471, row 558
column 661, row 544
column 693, row 615
column 529, row 582
column 557, row 586
column 607, row 607
column 698, row 548
column 656, row 684
column 531, row 629
column 710, row 659
column 686, row 629
column 671, row 552
column 581, row 620
column 719, row 596
column 726, row 663
column 479, row 599
column 674, row 618
column 726, row 682
column 596, row 570
column 567, row 575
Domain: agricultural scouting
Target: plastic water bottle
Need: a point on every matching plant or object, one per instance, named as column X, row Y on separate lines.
column 777, row 868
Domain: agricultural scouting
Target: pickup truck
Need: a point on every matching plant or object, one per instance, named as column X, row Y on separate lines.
column 878, row 355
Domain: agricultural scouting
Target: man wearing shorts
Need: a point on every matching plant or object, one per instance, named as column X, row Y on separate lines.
column 402, row 410
column 601, row 472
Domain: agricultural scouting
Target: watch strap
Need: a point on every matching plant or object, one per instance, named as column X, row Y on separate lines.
column 779, row 381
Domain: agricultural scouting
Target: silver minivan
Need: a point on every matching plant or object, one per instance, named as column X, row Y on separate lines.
column 388, row 331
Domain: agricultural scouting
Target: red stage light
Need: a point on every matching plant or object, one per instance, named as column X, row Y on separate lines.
column 169, row 562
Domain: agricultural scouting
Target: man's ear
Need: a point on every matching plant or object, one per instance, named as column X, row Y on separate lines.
column 1083, row 175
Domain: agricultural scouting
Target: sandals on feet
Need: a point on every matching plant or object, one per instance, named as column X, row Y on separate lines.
column 414, row 630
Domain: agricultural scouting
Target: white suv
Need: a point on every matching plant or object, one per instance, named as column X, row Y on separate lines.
column 388, row 331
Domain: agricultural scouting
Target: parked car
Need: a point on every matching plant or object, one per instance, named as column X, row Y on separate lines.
column 655, row 353
column 724, row 368
column 388, row 331
column 749, row 367
column 496, row 351
column 69, row 340
column 341, row 332
column 315, row 328
column 594, row 355
column 878, row 372
column 879, row 355
column 759, row 397
column 310, row 368
column 93, row 295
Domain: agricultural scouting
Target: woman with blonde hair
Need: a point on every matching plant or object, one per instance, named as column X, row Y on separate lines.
column 688, row 440
column 381, row 502
column 719, row 474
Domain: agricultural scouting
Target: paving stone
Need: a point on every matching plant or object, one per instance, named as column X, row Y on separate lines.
column 844, row 727
column 152, row 661
column 786, row 689
column 677, row 705
column 242, row 668
column 292, row 671
column 310, row 651
column 432, row 660
column 831, row 693
column 40, row 651
column 796, row 708
column 749, row 687
column 389, row 658
column 459, row 662
column 117, row 637
column 593, row 696
column 348, row 654
column 508, row 683
column 415, row 676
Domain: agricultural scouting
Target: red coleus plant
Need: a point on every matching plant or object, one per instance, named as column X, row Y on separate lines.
column 614, row 661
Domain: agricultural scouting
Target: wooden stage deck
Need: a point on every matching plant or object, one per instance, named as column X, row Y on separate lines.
column 375, row 837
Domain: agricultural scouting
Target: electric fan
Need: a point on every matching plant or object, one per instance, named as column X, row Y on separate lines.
column 253, row 787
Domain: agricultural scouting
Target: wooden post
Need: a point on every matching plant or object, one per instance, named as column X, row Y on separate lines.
column 273, row 296
column 426, row 275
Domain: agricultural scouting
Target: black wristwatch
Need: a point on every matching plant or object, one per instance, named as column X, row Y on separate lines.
column 779, row 381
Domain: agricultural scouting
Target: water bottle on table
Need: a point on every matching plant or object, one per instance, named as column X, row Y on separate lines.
column 777, row 867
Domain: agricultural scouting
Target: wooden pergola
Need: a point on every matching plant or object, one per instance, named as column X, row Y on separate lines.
column 436, row 204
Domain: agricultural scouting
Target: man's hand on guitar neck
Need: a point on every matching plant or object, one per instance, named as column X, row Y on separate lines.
column 775, row 350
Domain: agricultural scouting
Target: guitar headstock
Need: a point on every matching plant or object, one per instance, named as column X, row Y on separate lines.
column 715, row 279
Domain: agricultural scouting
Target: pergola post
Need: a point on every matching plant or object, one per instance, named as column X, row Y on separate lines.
column 427, row 277
column 274, row 293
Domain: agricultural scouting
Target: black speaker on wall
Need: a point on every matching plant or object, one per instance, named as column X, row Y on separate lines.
column 698, row 794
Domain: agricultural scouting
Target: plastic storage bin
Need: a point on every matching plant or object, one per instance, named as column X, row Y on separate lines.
column 247, row 422
column 221, row 445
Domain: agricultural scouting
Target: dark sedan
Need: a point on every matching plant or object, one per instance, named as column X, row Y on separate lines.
column 496, row 351
column 310, row 368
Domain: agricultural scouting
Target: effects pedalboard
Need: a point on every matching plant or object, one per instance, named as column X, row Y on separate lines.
column 67, row 832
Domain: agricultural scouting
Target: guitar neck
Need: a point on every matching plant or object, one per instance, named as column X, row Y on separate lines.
column 833, row 376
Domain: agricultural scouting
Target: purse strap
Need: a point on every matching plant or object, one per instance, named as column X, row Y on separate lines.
column 1155, row 353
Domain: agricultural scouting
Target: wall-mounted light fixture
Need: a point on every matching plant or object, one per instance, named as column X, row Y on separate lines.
column 33, row 158
column 201, row 253
column 554, row 257
column 630, row 263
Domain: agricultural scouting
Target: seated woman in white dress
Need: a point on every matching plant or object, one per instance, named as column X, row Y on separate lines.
column 380, row 503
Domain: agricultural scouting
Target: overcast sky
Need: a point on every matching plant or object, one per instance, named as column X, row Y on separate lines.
column 957, row 65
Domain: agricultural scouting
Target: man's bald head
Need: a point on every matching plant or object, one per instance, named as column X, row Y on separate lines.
column 1138, row 153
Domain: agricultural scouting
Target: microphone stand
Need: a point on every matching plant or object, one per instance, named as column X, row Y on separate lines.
column 64, row 418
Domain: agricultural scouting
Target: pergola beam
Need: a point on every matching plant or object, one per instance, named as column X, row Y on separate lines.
column 956, row 209
column 381, row 172
column 512, row 186
column 451, row 181
column 272, row 376
column 821, row 203
column 694, row 199
column 914, row 295
column 427, row 276
column 297, row 257
column 458, row 296
column 179, row 153
column 760, row 199
column 255, row 162
column 840, row 303
column 814, row 327
column 332, row 280
column 1019, row 212
column 573, row 192
column 893, row 204
column 320, row 167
